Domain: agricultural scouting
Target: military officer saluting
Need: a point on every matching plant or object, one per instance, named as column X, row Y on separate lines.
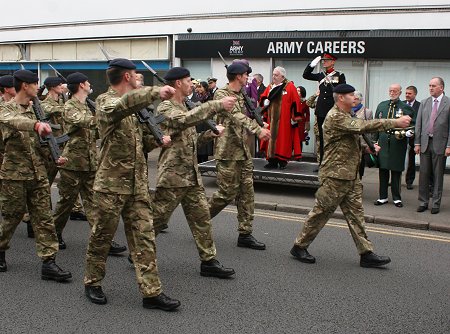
column 339, row 180
column 25, row 183
column 179, row 180
column 328, row 79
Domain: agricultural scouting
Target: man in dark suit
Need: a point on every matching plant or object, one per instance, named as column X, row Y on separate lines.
column 410, row 99
column 328, row 79
column 433, row 144
column 259, row 84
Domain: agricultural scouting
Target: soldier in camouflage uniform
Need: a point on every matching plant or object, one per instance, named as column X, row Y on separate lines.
column 25, row 183
column 340, row 183
column 179, row 180
column 121, row 186
column 233, row 158
column 8, row 92
column 78, row 174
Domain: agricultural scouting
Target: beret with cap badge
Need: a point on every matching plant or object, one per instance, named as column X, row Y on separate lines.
column 176, row 73
column 122, row 63
column 7, row 81
column 26, row 76
column 76, row 78
column 53, row 81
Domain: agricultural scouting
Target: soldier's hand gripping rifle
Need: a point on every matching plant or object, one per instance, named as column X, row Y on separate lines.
column 189, row 104
column 50, row 140
column 89, row 102
column 146, row 115
column 255, row 112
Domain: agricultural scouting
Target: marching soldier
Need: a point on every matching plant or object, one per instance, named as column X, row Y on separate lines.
column 121, row 187
column 234, row 161
column 78, row 174
column 179, row 180
column 25, row 183
column 393, row 145
column 340, row 183
column 328, row 79
column 8, row 92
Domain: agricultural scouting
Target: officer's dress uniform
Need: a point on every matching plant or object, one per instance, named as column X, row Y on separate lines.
column 393, row 150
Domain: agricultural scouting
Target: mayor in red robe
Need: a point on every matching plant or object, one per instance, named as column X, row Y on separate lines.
column 283, row 103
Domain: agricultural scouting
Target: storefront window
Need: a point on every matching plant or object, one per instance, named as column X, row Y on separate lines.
column 200, row 69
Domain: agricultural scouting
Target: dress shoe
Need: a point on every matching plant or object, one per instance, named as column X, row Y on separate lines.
column 409, row 186
column 95, row 294
column 78, row 216
column 249, row 241
column 283, row 164
column 421, row 208
column 372, row 260
column 271, row 165
column 30, row 231
column 162, row 302
column 213, row 268
column 398, row 204
column 434, row 211
column 3, row 266
column 116, row 248
column 380, row 202
column 61, row 242
column 51, row 271
column 302, row 255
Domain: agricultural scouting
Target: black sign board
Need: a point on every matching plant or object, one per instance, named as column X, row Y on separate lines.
column 370, row 47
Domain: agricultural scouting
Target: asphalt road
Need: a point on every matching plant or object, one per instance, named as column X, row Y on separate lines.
column 271, row 293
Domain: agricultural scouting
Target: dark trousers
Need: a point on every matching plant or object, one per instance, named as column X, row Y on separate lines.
column 320, row 121
column 411, row 168
column 395, row 183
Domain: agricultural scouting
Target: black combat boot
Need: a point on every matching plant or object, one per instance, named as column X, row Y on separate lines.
column 78, row 216
column 162, row 302
column 116, row 248
column 30, row 231
column 95, row 294
column 3, row 266
column 302, row 255
column 61, row 242
column 213, row 268
column 51, row 271
column 249, row 241
column 372, row 260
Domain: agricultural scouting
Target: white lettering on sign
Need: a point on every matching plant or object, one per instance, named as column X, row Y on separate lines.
column 236, row 50
column 318, row 47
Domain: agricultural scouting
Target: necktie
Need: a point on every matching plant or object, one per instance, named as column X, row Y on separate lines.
column 433, row 117
column 410, row 104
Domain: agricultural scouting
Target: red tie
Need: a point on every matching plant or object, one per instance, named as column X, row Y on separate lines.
column 433, row 117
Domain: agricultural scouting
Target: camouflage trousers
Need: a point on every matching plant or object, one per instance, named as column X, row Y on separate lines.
column 195, row 206
column 71, row 185
column 137, row 217
column 333, row 192
column 35, row 195
column 235, row 181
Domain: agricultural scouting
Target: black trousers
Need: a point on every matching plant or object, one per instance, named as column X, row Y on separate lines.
column 320, row 121
column 395, row 183
column 411, row 167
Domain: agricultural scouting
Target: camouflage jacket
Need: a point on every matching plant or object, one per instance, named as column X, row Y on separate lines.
column 233, row 144
column 22, row 160
column 177, row 164
column 54, row 111
column 81, row 127
column 342, row 145
column 122, row 168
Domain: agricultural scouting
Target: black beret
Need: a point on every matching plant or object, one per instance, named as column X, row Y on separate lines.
column 176, row 73
column 26, row 76
column 238, row 68
column 211, row 79
column 343, row 89
column 76, row 78
column 122, row 63
column 7, row 81
column 245, row 63
column 53, row 81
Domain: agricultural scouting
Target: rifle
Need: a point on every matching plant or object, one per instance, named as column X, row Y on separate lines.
column 255, row 112
column 189, row 104
column 146, row 115
column 89, row 102
column 50, row 140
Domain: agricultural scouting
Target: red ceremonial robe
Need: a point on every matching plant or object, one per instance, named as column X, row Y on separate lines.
column 279, row 116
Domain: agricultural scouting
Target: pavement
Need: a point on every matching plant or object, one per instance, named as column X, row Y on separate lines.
column 300, row 200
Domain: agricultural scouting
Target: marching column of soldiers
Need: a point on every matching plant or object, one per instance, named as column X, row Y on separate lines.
column 114, row 182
